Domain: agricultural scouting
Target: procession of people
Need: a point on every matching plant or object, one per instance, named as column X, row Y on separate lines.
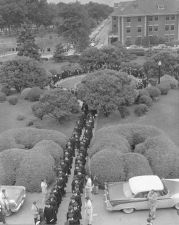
column 75, row 150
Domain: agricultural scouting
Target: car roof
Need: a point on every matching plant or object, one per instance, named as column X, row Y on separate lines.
column 145, row 183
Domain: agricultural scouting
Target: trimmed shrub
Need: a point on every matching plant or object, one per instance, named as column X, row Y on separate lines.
column 154, row 92
column 107, row 166
column 10, row 160
column 13, row 100
column 169, row 80
column 20, row 117
column 28, row 137
column 30, row 123
column 38, row 110
column 49, row 147
column 164, row 88
column 136, row 165
column 34, row 94
column 2, row 97
column 162, row 155
column 110, row 141
column 34, row 167
column 6, row 90
column 124, row 111
column 143, row 92
column 25, row 92
column 141, row 109
column 144, row 99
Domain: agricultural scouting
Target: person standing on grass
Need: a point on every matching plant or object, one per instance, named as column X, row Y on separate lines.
column 44, row 191
column 35, row 211
column 88, row 217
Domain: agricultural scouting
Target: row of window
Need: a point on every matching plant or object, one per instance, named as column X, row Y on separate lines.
column 152, row 28
column 151, row 18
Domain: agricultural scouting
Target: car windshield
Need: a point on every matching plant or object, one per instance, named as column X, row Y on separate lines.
column 127, row 190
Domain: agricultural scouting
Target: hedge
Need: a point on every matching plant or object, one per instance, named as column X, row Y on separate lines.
column 34, row 167
column 109, row 141
column 107, row 166
column 144, row 99
column 162, row 155
column 143, row 92
column 167, row 79
column 34, row 94
column 2, row 97
column 25, row 92
column 10, row 160
column 141, row 109
column 164, row 88
column 13, row 100
column 154, row 92
column 28, row 137
column 136, row 165
column 49, row 147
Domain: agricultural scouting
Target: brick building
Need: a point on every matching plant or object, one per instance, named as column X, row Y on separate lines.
column 145, row 18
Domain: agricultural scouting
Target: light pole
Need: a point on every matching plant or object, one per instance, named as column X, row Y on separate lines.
column 159, row 71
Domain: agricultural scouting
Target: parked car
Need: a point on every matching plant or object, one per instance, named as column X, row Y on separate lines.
column 132, row 195
column 16, row 196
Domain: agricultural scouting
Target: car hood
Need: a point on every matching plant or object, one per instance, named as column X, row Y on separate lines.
column 14, row 193
column 172, row 186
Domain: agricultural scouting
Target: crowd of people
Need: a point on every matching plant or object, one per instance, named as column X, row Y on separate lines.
column 76, row 147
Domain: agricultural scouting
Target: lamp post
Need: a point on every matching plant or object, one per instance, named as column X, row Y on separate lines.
column 159, row 71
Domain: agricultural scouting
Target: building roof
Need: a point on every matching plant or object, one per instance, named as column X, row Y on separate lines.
column 145, row 183
column 146, row 7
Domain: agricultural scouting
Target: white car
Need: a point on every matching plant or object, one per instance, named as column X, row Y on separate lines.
column 132, row 195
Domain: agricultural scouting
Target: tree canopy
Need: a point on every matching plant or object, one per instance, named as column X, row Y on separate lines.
column 56, row 103
column 106, row 90
column 23, row 72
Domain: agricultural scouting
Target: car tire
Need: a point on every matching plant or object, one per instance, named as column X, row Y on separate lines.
column 177, row 206
column 128, row 211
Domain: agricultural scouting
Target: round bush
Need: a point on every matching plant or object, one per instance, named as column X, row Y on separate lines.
column 34, row 167
column 169, row 80
column 20, row 117
column 164, row 88
column 143, row 92
column 124, row 111
column 107, row 166
column 6, row 90
column 13, row 100
column 49, row 147
column 141, row 109
column 110, row 141
column 144, row 99
column 34, row 94
column 136, row 165
column 162, row 155
column 2, row 97
column 10, row 160
column 28, row 137
column 25, row 92
column 154, row 92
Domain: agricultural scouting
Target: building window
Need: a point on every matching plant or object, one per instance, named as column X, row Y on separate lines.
column 128, row 19
column 167, row 18
column 172, row 27
column 150, row 28
column 155, row 28
column 139, row 29
column 128, row 30
column 166, row 27
column 150, row 18
column 156, row 18
column 114, row 26
column 139, row 19
column 172, row 17
column 114, row 17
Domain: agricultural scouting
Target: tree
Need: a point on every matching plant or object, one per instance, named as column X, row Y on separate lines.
column 23, row 72
column 59, row 53
column 106, row 90
column 26, row 43
column 57, row 103
column 74, row 26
